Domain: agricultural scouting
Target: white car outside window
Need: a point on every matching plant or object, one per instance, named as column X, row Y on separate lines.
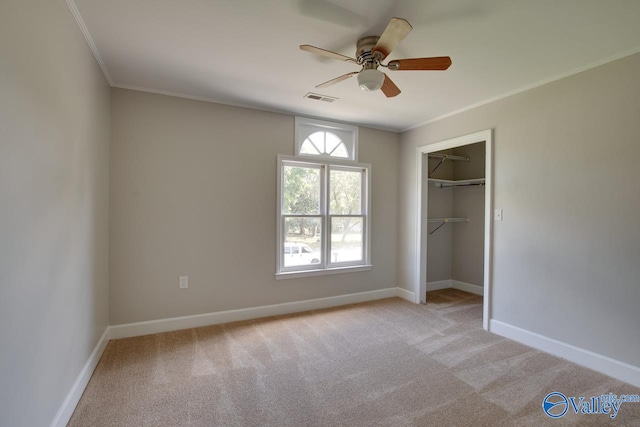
column 299, row 254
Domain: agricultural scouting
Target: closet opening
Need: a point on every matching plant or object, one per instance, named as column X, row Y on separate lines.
column 454, row 221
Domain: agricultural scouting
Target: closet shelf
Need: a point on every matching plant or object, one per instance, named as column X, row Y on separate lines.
column 444, row 221
column 443, row 183
column 448, row 157
column 443, row 158
column 447, row 219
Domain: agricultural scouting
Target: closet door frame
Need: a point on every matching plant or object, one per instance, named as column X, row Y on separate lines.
column 420, row 287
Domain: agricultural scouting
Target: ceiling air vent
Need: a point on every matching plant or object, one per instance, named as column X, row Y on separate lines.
column 318, row 97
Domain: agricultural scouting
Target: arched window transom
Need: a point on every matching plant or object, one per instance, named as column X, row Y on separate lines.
column 324, row 143
column 318, row 138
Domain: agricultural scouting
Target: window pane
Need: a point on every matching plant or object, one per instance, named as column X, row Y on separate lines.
column 301, row 193
column 325, row 139
column 318, row 140
column 332, row 141
column 324, row 144
column 302, row 241
column 340, row 151
column 345, row 192
column 346, row 239
column 308, row 148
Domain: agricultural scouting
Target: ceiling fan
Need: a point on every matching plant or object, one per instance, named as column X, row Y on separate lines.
column 370, row 53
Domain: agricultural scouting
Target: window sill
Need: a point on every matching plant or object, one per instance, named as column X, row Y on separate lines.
column 323, row 272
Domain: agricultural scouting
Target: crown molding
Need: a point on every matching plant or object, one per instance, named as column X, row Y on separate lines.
column 94, row 49
column 525, row 88
column 87, row 35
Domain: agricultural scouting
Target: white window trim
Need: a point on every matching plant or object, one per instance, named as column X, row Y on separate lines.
column 328, row 267
column 322, row 125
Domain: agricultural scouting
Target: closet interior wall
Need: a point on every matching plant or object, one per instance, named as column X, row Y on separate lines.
column 456, row 250
column 440, row 205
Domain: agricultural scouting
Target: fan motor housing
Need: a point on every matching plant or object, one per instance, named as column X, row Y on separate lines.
column 363, row 51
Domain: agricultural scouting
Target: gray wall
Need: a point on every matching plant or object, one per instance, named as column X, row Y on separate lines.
column 193, row 192
column 54, row 138
column 566, row 257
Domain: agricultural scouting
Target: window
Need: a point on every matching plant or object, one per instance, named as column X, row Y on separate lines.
column 324, row 143
column 323, row 202
column 323, row 217
column 318, row 138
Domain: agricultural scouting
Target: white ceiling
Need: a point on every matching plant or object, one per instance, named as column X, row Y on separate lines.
column 245, row 52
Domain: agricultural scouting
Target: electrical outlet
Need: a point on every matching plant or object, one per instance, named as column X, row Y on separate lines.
column 184, row 282
column 497, row 215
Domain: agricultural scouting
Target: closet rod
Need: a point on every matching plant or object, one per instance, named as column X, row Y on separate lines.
column 469, row 184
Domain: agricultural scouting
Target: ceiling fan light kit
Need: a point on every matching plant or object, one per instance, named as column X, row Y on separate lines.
column 370, row 53
column 370, row 80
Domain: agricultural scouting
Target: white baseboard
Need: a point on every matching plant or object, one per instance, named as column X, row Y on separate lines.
column 467, row 287
column 207, row 319
column 614, row 368
column 455, row 284
column 440, row 284
column 405, row 294
column 606, row 365
column 73, row 397
column 164, row 325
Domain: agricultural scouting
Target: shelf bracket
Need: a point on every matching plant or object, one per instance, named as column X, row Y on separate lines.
column 437, row 166
column 437, row 228
column 444, row 157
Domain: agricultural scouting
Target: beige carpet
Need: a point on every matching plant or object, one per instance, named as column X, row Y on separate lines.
column 383, row 363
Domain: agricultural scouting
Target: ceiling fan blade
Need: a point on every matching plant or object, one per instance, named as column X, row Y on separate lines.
column 338, row 79
column 435, row 63
column 396, row 31
column 389, row 88
column 327, row 53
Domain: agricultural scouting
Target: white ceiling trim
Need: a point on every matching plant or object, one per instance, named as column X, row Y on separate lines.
column 525, row 88
column 240, row 105
column 87, row 35
column 197, row 98
column 94, row 49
